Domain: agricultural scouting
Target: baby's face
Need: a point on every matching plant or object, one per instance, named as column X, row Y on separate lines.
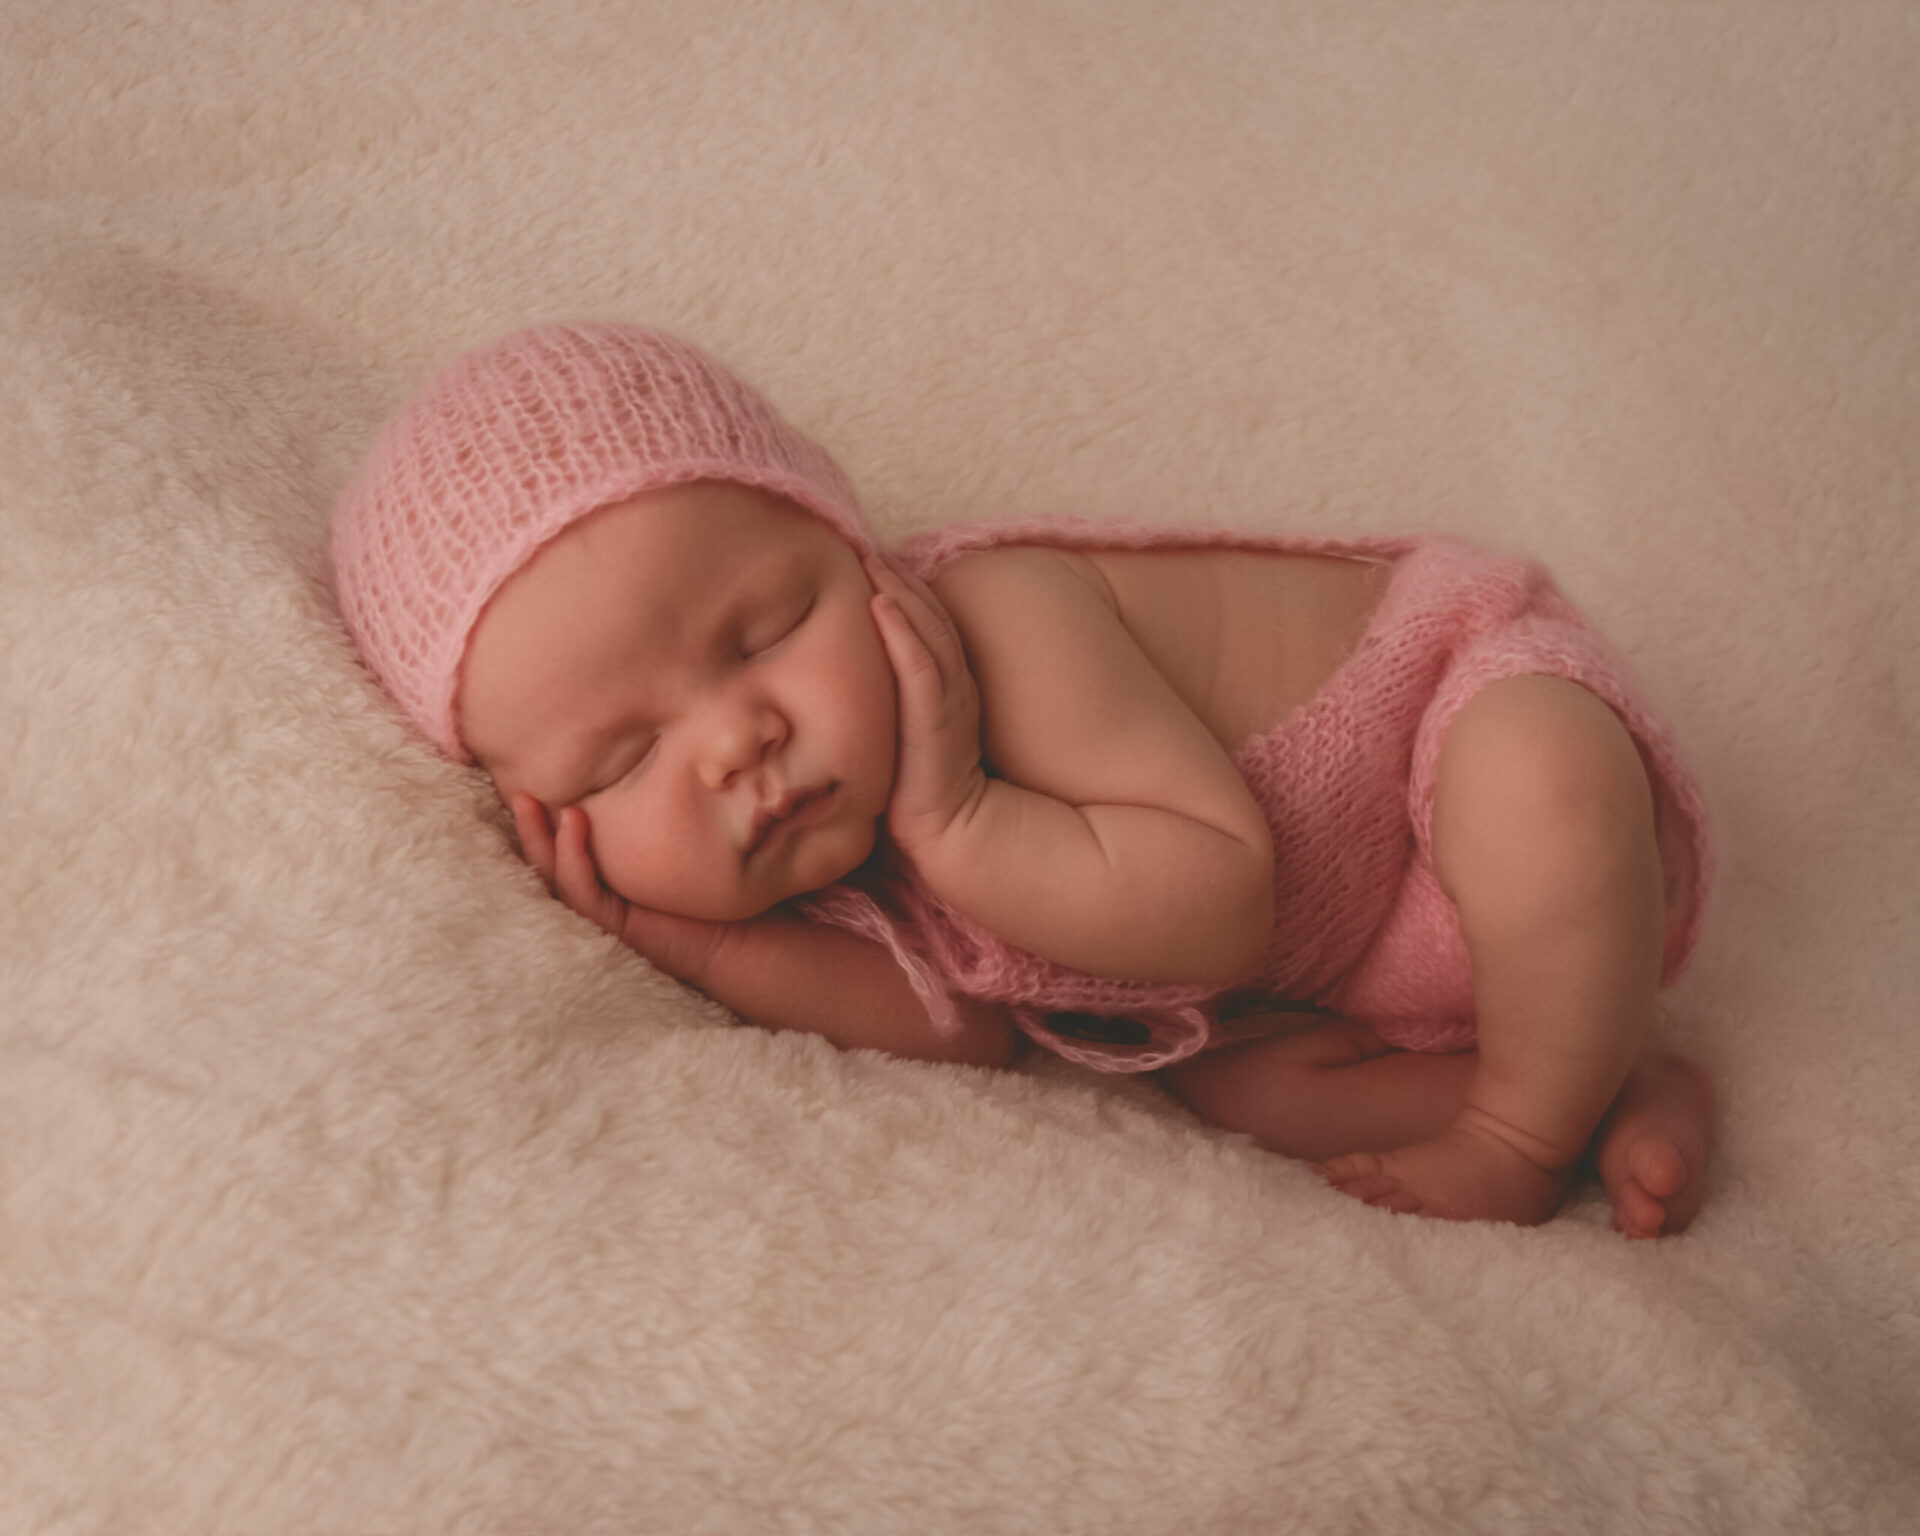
column 677, row 666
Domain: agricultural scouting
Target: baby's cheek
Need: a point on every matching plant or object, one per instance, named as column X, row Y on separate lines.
column 670, row 869
column 616, row 854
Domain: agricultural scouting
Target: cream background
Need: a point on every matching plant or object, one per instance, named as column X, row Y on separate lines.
column 351, row 1186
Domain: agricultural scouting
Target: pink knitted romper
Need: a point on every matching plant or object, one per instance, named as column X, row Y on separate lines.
column 1362, row 928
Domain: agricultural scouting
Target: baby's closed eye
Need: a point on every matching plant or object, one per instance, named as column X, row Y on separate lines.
column 629, row 761
column 765, row 637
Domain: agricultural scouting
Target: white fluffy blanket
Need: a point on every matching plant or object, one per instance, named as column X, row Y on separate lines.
column 354, row 1188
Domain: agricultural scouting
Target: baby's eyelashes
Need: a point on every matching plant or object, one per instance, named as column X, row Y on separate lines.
column 772, row 636
column 625, row 769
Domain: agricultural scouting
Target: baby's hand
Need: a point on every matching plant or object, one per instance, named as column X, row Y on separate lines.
column 686, row 948
column 939, row 777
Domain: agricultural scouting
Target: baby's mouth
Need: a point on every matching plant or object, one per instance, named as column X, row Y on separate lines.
column 801, row 810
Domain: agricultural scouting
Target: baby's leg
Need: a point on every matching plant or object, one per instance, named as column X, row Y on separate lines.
column 1543, row 838
column 1324, row 1089
column 1337, row 1088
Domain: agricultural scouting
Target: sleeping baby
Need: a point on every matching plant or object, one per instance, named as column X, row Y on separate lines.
column 1369, row 848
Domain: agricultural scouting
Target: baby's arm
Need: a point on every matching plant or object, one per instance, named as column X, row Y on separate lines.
column 780, row 971
column 1118, row 837
column 777, row 971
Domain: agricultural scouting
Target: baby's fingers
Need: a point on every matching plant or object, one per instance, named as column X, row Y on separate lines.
column 536, row 835
column 578, row 879
column 574, row 874
column 924, row 616
column 914, row 662
column 561, row 855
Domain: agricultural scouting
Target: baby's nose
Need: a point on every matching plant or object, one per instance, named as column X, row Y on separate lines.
column 740, row 738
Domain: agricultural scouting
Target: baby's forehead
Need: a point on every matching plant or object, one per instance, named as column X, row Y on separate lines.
column 694, row 551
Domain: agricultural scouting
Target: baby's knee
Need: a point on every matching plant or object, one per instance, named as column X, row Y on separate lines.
column 1541, row 802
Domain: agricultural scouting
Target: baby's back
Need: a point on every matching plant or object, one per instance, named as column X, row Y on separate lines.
column 1243, row 636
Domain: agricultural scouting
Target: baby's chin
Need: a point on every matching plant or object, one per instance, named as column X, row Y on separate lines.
column 831, row 862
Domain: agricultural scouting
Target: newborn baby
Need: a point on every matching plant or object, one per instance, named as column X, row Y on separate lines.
column 1369, row 848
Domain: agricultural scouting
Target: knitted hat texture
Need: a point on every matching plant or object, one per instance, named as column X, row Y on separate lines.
column 509, row 445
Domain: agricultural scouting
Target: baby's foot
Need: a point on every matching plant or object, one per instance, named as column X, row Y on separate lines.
column 1466, row 1173
column 1652, row 1147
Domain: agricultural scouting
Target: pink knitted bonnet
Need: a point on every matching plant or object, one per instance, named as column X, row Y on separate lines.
column 513, row 442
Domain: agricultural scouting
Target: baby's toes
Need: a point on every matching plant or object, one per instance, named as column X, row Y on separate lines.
column 1635, row 1212
column 1660, row 1167
column 1339, row 1171
column 1364, row 1176
column 1657, row 1165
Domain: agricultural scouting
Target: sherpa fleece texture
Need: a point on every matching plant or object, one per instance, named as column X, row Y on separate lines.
column 352, row 1187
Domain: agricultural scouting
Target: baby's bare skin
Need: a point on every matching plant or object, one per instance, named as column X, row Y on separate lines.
column 1243, row 636
column 1651, row 1150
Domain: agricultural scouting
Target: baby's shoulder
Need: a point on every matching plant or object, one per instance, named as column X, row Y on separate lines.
column 1013, row 566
